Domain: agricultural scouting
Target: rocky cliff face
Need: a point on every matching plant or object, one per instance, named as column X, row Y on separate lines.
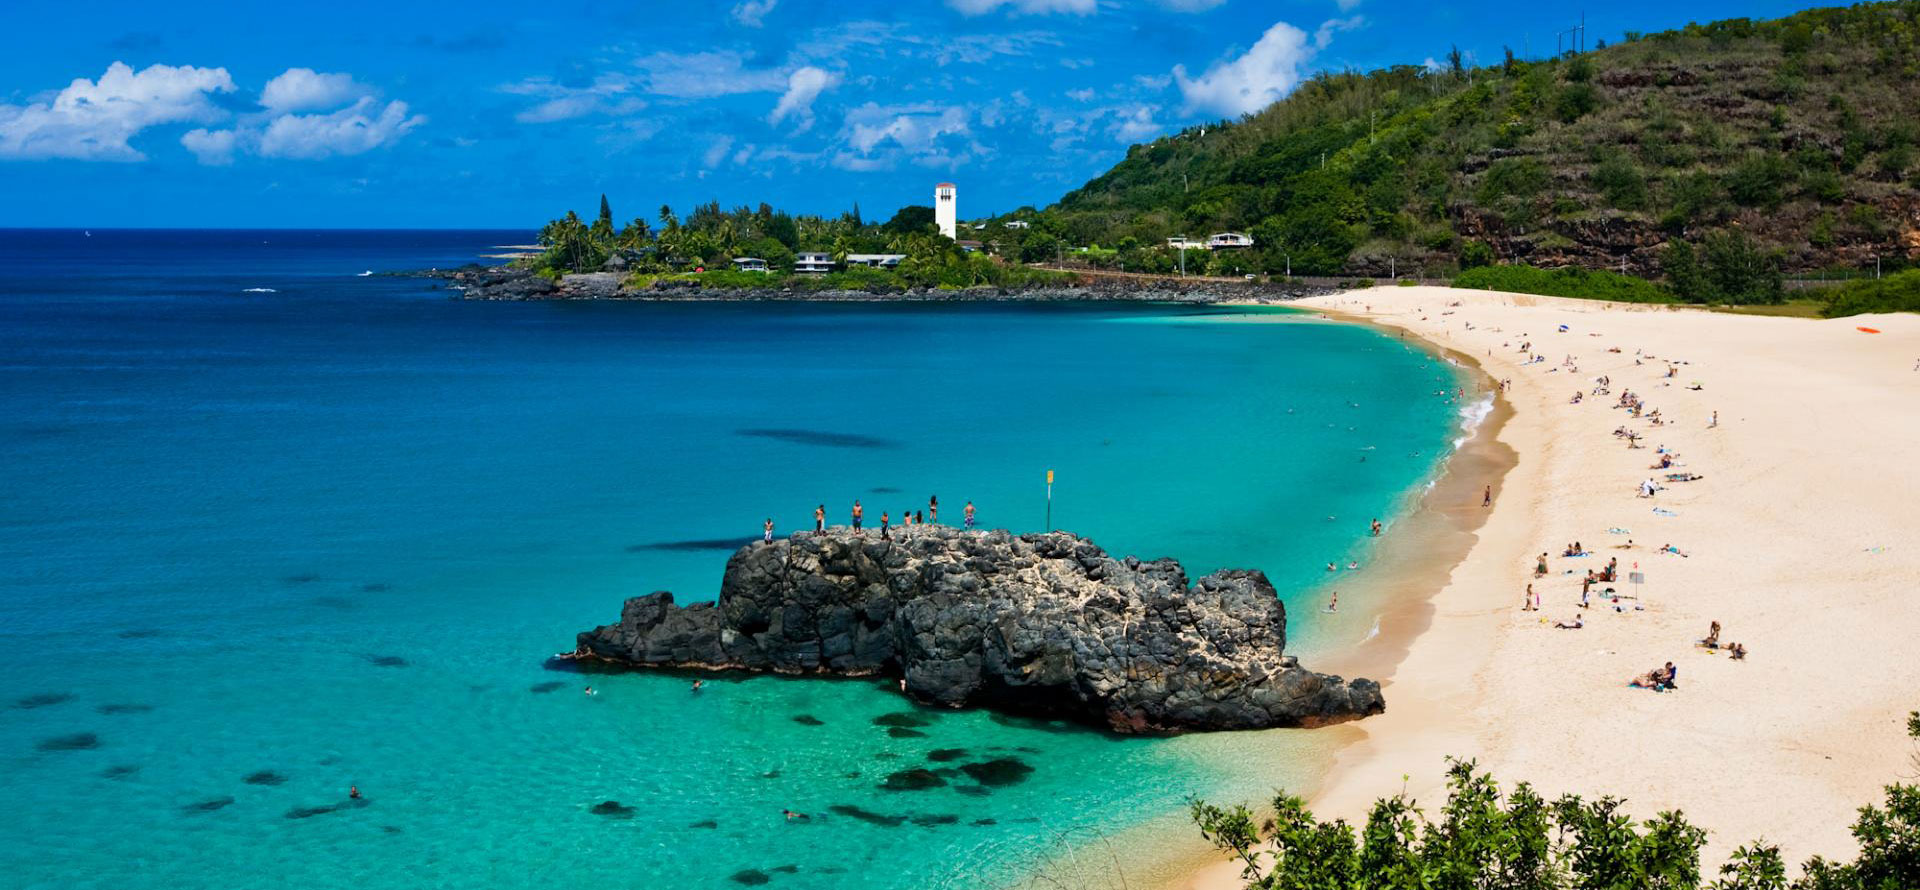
column 1042, row 623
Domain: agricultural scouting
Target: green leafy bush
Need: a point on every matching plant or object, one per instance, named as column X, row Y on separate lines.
column 1899, row 292
column 1594, row 285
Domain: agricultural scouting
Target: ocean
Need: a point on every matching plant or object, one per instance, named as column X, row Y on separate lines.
column 272, row 528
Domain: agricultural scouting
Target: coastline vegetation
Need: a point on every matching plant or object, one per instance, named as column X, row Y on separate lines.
column 1484, row 839
column 1789, row 142
column 701, row 249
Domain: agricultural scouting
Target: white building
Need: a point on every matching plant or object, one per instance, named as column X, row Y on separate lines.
column 946, row 209
column 876, row 260
column 1229, row 240
column 1182, row 242
column 1017, row 224
column 812, row 263
column 750, row 264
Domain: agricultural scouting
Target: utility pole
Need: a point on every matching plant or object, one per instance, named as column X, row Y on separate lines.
column 1289, row 268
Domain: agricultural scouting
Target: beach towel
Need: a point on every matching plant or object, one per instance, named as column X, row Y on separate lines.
column 1662, row 511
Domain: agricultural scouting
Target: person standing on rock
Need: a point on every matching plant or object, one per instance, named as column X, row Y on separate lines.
column 1486, row 500
column 933, row 509
column 820, row 520
column 766, row 530
column 969, row 515
column 883, row 524
column 858, row 514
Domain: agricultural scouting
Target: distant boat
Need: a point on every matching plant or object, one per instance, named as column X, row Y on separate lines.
column 259, row 290
column 364, row 274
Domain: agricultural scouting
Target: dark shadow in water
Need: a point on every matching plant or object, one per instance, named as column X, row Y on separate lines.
column 901, row 732
column 998, row 773
column 693, row 545
column 751, row 877
column 931, row 819
column 544, row 688
column 385, row 661
column 207, row 806
column 612, row 809
column 120, row 771
column 785, row 869
column 942, row 755
column 819, row 437
column 124, row 709
column 808, row 720
column 902, row 718
column 869, row 816
column 704, row 823
column 79, row 741
column 986, row 822
column 42, row 700
column 884, row 489
column 140, row 633
column 375, row 588
column 915, row 779
column 310, row 812
column 300, row 579
column 974, row 790
column 265, row 777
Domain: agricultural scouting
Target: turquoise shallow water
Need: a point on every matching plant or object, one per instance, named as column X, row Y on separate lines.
column 256, row 547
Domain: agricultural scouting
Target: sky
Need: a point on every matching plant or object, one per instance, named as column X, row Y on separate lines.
column 485, row 114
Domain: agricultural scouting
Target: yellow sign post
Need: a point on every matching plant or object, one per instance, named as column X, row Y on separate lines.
column 1049, row 500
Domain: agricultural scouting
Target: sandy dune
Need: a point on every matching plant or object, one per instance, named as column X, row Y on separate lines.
column 1803, row 540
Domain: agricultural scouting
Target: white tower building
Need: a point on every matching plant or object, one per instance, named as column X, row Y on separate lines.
column 946, row 209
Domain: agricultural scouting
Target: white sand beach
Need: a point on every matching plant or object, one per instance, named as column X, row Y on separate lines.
column 1802, row 538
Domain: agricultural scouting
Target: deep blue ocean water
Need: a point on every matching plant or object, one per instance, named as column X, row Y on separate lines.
column 270, row 529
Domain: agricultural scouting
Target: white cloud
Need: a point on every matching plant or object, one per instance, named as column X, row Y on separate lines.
column 1264, row 74
column 1030, row 7
column 303, row 89
column 92, row 120
column 912, row 127
column 708, row 74
column 1080, row 95
column 804, row 85
column 752, row 12
column 606, row 95
column 213, row 147
column 355, row 129
column 1136, row 123
column 717, row 152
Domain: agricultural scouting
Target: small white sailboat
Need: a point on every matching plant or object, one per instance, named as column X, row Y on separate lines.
column 365, row 274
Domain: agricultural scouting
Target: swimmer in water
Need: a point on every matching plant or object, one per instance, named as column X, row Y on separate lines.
column 1333, row 605
column 353, row 792
column 590, row 691
column 1352, row 566
column 1331, row 567
column 697, row 684
column 791, row 815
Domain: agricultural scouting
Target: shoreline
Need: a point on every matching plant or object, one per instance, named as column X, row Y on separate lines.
column 1806, row 445
column 1433, row 534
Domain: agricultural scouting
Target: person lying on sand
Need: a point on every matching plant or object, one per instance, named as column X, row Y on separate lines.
column 1578, row 622
column 1669, row 548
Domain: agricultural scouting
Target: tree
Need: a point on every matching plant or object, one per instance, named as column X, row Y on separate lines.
column 606, row 212
column 911, row 218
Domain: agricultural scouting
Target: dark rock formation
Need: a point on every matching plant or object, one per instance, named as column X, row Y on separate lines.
column 1043, row 623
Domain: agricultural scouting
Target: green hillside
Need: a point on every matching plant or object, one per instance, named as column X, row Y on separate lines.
column 1716, row 156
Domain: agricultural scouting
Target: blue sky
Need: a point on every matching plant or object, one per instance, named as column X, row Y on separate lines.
column 483, row 114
